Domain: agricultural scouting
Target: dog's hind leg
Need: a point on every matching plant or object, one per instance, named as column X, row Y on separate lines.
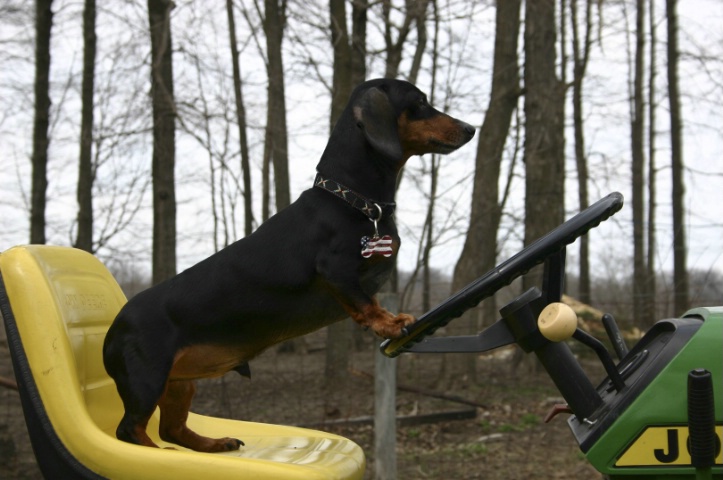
column 139, row 400
column 174, row 405
column 139, row 392
column 132, row 429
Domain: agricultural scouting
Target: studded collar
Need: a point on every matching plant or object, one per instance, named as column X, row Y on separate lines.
column 372, row 209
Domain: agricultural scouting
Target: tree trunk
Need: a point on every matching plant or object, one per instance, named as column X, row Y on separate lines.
column 544, row 103
column 341, row 81
column 164, row 145
column 86, row 175
column 394, row 48
column 358, row 41
column 680, row 273
column 581, row 55
column 429, row 234
column 638, row 174
column 241, row 120
column 43, row 27
column 276, row 141
column 479, row 253
column 349, row 69
column 544, row 142
column 420, row 20
column 650, row 243
column 428, row 230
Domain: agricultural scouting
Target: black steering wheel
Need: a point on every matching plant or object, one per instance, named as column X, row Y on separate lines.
column 504, row 273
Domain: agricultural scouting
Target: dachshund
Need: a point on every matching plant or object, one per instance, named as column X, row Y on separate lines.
column 318, row 261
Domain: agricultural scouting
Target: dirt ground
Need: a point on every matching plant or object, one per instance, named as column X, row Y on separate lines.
column 505, row 439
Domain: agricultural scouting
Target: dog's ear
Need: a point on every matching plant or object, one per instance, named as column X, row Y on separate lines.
column 375, row 116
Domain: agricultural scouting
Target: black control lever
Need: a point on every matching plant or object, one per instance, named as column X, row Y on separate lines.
column 616, row 338
column 604, row 356
column 701, row 419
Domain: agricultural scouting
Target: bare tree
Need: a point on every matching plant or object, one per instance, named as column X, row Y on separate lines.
column 544, row 99
column 276, row 150
column 197, row 121
column 650, row 280
column 241, row 120
column 479, row 253
column 43, row 27
column 349, row 67
column 414, row 12
column 429, row 223
column 544, row 141
column 420, row 19
column 359, row 12
column 120, row 179
column 638, row 168
column 581, row 55
column 341, row 75
column 339, row 334
column 164, row 146
column 348, row 70
column 84, row 238
column 680, row 274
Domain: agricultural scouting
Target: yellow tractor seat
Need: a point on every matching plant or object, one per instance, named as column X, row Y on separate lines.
column 57, row 304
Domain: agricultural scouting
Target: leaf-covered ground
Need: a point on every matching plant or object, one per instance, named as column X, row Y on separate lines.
column 505, row 439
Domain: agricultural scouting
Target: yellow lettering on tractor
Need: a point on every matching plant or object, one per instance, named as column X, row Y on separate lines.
column 664, row 446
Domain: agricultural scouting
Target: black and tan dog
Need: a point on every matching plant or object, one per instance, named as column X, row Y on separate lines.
column 319, row 260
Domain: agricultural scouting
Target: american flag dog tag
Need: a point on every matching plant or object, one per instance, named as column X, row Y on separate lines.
column 377, row 246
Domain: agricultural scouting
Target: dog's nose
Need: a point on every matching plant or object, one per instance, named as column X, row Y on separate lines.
column 468, row 129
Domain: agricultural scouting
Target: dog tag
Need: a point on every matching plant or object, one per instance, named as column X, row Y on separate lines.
column 377, row 245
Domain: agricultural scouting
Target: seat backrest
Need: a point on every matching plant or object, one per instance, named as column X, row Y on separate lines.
column 63, row 300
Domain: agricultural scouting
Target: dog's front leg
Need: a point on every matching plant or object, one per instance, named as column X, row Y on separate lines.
column 365, row 309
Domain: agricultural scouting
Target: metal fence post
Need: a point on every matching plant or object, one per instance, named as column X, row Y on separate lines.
column 385, row 405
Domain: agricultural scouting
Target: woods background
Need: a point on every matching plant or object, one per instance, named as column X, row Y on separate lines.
column 115, row 138
column 155, row 133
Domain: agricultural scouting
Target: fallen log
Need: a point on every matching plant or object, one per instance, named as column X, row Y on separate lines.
column 402, row 420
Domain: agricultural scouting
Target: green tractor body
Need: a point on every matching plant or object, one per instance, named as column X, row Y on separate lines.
column 659, row 412
column 643, row 430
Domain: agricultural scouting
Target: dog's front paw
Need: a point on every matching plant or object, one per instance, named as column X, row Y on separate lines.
column 394, row 327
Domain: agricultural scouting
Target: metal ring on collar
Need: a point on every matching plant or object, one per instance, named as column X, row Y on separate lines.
column 381, row 213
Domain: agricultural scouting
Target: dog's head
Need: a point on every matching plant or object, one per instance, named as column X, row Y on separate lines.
column 398, row 121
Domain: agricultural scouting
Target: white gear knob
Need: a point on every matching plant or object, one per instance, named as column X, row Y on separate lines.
column 557, row 322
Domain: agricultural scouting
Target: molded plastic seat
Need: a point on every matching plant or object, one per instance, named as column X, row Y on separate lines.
column 57, row 304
